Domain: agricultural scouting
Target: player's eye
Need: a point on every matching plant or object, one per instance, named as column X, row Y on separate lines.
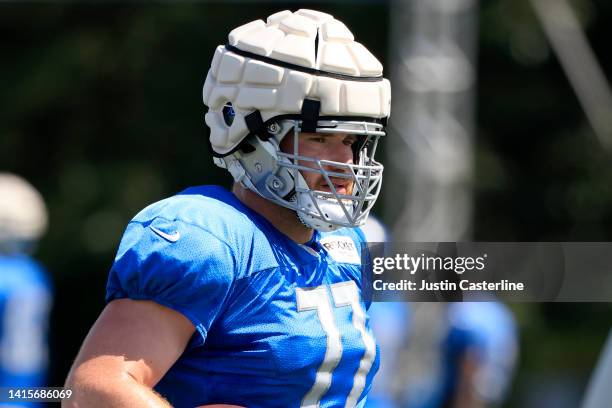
column 350, row 141
column 317, row 139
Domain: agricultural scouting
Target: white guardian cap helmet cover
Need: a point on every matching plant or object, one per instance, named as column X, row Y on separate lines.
column 298, row 72
column 23, row 214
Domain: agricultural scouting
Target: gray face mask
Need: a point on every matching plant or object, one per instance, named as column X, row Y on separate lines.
column 278, row 176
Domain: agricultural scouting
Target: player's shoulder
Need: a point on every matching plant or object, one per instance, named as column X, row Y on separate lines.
column 176, row 240
column 374, row 230
column 198, row 225
column 486, row 321
column 209, row 208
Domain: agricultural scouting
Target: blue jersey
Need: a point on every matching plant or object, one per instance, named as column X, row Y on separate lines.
column 278, row 324
column 488, row 331
column 484, row 330
column 25, row 301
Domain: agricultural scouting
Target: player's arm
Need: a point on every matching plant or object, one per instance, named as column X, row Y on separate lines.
column 128, row 350
column 466, row 395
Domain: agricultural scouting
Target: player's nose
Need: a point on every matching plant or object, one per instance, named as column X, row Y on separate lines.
column 341, row 152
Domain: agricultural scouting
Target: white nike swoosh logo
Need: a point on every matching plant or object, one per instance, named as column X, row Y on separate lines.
column 169, row 237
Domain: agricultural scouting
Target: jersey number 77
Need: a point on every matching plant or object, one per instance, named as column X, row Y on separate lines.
column 344, row 294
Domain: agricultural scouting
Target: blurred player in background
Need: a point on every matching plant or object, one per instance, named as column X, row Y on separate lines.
column 441, row 355
column 460, row 355
column 25, row 291
column 253, row 297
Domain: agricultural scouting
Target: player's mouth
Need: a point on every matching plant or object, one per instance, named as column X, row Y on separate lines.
column 341, row 187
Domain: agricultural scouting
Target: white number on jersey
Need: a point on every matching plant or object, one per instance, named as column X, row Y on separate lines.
column 317, row 298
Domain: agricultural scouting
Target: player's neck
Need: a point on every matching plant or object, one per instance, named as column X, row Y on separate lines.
column 284, row 219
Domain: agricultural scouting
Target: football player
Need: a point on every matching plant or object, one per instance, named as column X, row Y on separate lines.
column 467, row 359
column 456, row 354
column 253, row 297
column 436, row 355
column 25, row 290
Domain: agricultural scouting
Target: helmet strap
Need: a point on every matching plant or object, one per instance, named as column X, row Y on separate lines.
column 255, row 124
column 310, row 115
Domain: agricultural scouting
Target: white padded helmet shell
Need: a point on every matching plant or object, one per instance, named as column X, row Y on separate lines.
column 272, row 66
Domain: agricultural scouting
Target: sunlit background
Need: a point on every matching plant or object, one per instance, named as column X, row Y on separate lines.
column 500, row 131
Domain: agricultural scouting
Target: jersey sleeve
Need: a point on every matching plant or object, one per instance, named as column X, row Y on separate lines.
column 177, row 265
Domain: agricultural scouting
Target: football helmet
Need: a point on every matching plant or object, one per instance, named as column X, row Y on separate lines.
column 23, row 215
column 298, row 72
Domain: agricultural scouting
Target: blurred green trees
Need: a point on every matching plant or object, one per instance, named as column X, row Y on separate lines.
column 101, row 110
